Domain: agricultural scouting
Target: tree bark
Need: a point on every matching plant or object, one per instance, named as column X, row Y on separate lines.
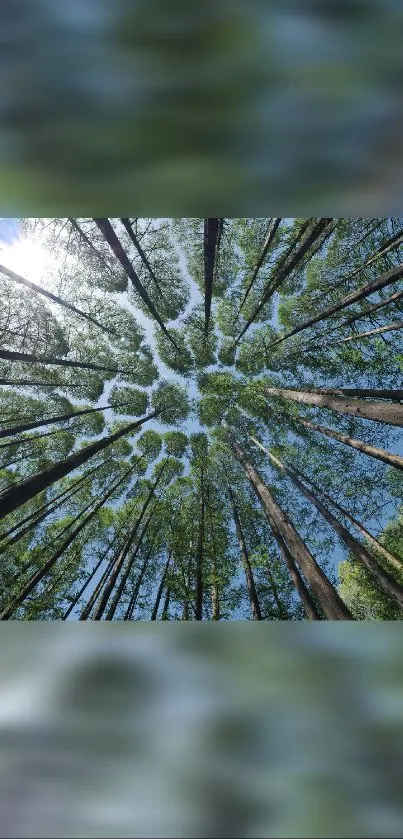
column 120, row 589
column 200, row 554
column 53, row 297
column 122, row 553
column 109, row 234
column 331, row 603
column 161, row 588
column 289, row 263
column 380, row 454
column 382, row 577
column 270, row 234
column 394, row 560
column 41, row 573
column 165, row 610
column 299, row 585
column 28, row 426
column 16, row 496
column 87, row 582
column 139, row 249
column 30, row 358
column 389, row 414
column 364, row 291
column 362, row 393
column 212, row 227
column 250, row 582
column 390, row 327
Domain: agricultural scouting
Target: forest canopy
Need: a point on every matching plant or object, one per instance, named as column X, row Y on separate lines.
column 200, row 419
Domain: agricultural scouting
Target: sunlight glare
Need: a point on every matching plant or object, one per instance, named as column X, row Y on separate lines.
column 29, row 259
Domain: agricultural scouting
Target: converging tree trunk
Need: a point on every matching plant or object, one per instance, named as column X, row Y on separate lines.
column 108, row 232
column 270, row 234
column 122, row 585
column 16, row 496
column 382, row 577
column 375, row 411
column 200, row 552
column 53, row 297
column 139, row 249
column 331, row 603
column 28, row 426
column 41, row 573
column 250, row 582
column 161, row 587
column 212, row 228
column 380, row 454
column 30, row 358
column 365, row 291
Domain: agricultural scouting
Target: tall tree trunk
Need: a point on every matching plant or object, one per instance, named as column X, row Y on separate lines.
column 87, row 582
column 250, row 582
column 270, row 234
column 212, row 233
column 29, row 383
column 364, row 291
column 49, row 504
column 16, row 496
column 41, row 573
column 282, row 612
column 121, row 587
column 380, row 454
column 109, row 234
column 130, row 609
column 394, row 560
column 139, row 249
column 34, row 438
column 28, row 426
column 53, row 297
column 161, row 588
column 89, row 244
column 289, row 263
column 376, row 411
column 30, row 358
column 361, row 392
column 390, row 244
column 390, row 327
column 98, row 588
column 358, row 316
column 331, row 603
column 299, row 585
column 185, row 613
column 165, row 609
column 123, row 551
column 200, row 553
column 382, row 577
column 215, row 600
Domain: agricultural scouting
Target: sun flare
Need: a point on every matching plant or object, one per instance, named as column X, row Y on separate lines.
column 28, row 258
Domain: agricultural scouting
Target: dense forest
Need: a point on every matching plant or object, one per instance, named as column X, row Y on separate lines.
column 199, row 420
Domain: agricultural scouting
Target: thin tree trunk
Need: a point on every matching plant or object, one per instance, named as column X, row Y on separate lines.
column 211, row 235
column 389, row 414
column 16, row 496
column 390, row 244
column 34, row 438
column 185, row 613
column 29, row 383
column 270, row 234
column 130, row 609
column 41, row 573
column 200, row 553
column 121, row 587
column 394, row 560
column 53, row 297
column 122, row 553
column 382, row 577
column 87, row 582
column 358, row 316
column 49, row 504
column 30, row 358
column 331, row 603
column 282, row 612
column 288, row 265
column 139, row 249
column 390, row 327
column 161, row 588
column 380, row 454
column 250, row 582
column 28, row 426
column 364, row 291
column 165, row 610
column 299, row 585
column 109, row 234
column 94, row 596
column 89, row 244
